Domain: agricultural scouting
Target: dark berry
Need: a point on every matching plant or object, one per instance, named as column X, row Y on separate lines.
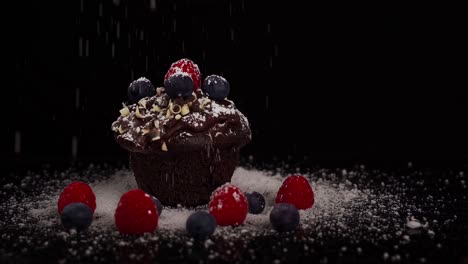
column 200, row 225
column 186, row 66
column 158, row 204
column 284, row 217
column 140, row 88
column 179, row 84
column 77, row 216
column 296, row 190
column 228, row 205
column 216, row 87
column 77, row 192
column 256, row 202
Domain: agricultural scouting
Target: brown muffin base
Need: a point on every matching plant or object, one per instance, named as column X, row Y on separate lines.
column 185, row 178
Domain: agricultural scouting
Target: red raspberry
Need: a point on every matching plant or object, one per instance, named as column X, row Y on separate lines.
column 228, row 205
column 77, row 192
column 136, row 213
column 185, row 65
column 296, row 190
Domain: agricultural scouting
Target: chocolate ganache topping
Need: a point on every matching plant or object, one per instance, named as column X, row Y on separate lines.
column 160, row 124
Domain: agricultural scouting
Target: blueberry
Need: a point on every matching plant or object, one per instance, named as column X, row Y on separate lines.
column 77, row 216
column 140, row 88
column 201, row 225
column 179, row 84
column 256, row 202
column 159, row 205
column 216, row 87
column 284, row 217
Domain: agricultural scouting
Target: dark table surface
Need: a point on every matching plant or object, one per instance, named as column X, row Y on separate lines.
column 436, row 195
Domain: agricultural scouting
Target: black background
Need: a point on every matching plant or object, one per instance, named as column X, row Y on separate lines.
column 335, row 83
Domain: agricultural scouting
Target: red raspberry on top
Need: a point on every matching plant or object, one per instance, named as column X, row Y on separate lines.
column 77, row 192
column 296, row 190
column 187, row 66
column 136, row 213
column 228, row 205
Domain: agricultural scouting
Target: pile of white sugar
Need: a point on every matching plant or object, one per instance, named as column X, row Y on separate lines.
column 357, row 211
column 337, row 201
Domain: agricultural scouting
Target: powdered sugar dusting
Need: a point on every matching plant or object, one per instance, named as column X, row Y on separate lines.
column 108, row 193
column 341, row 201
column 354, row 208
column 413, row 223
column 236, row 196
column 330, row 199
column 174, row 219
column 219, row 110
column 142, row 79
column 145, row 125
column 210, row 80
column 179, row 72
column 254, row 180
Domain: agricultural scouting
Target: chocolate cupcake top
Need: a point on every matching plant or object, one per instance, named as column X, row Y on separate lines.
column 161, row 123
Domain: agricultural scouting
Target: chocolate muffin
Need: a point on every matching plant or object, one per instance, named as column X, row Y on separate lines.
column 182, row 147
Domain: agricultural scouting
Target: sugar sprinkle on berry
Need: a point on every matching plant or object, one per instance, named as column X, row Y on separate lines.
column 185, row 66
column 139, row 89
column 228, row 205
column 216, row 87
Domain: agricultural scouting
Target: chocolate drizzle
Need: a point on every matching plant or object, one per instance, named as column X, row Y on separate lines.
column 160, row 120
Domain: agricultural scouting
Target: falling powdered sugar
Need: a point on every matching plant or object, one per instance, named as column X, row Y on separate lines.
column 334, row 201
